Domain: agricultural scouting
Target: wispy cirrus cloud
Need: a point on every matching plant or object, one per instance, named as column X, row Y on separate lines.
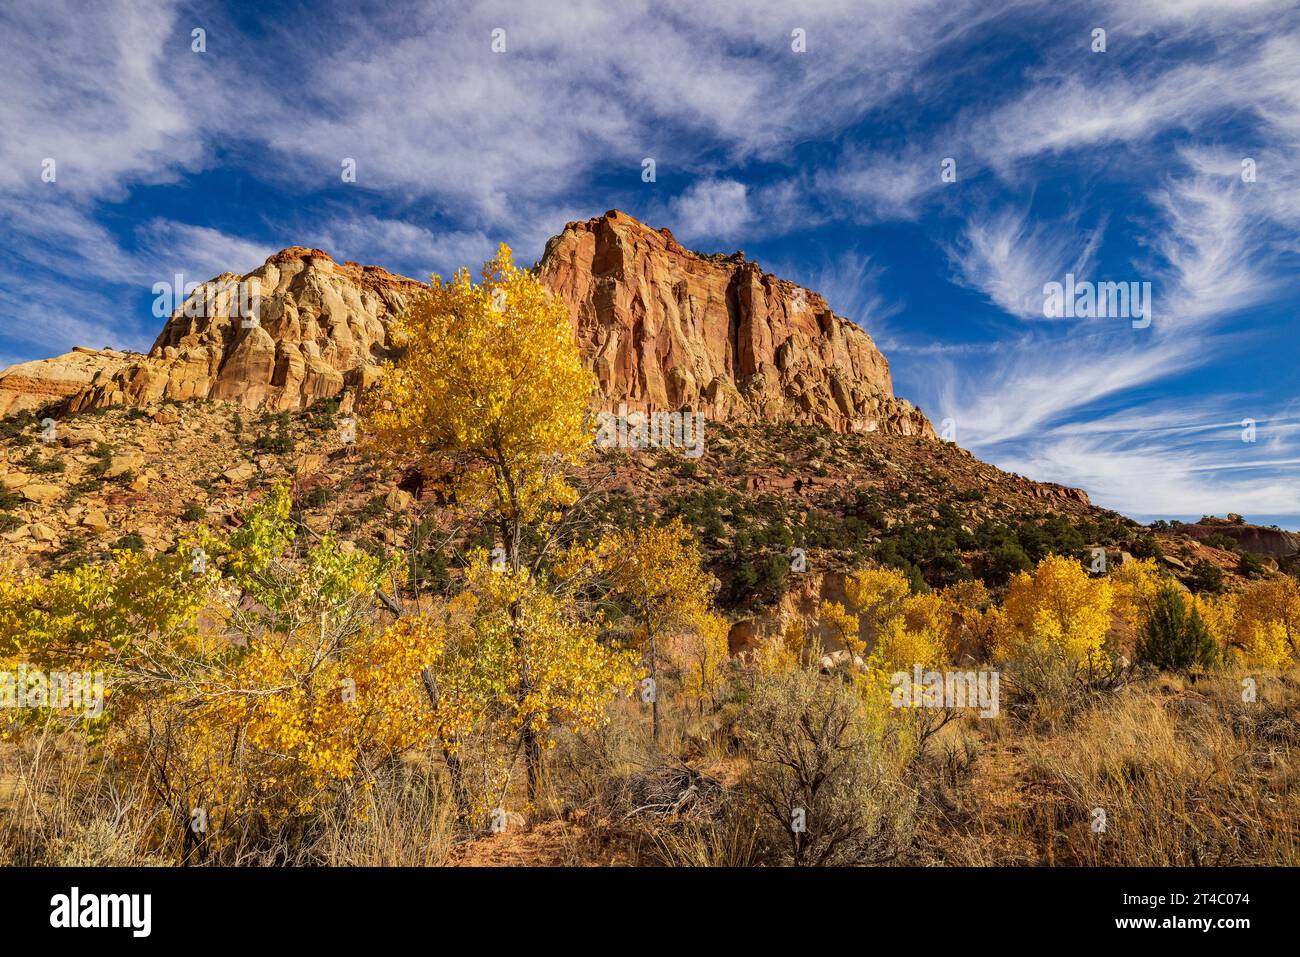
column 94, row 89
column 1174, row 482
column 1211, row 249
column 1187, row 456
column 850, row 282
column 1191, row 14
column 1040, row 406
column 875, row 185
column 1008, row 258
column 581, row 87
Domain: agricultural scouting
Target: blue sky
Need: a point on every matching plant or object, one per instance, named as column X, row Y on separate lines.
column 824, row 165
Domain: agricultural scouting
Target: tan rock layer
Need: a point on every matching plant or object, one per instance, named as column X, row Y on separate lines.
column 34, row 385
column 320, row 330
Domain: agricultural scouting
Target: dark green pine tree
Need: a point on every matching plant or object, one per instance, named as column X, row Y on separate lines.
column 1174, row 637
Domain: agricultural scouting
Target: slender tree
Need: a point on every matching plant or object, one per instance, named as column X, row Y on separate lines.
column 489, row 397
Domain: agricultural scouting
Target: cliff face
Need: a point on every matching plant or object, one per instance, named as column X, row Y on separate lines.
column 665, row 328
column 1257, row 539
column 320, row 329
column 662, row 327
column 29, row 386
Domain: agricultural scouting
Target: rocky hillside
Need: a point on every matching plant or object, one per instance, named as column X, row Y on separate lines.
column 136, row 479
column 1238, row 534
column 663, row 328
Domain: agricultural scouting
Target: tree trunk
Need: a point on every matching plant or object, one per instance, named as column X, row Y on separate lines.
column 654, row 686
column 454, row 768
column 533, row 762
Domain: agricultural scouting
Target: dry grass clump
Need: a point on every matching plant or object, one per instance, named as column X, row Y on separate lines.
column 1185, row 773
column 60, row 807
column 730, row 839
column 407, row 819
column 1182, row 780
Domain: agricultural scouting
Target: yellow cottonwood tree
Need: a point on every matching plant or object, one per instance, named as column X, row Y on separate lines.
column 916, row 635
column 657, row 571
column 1058, row 606
column 561, row 673
column 489, row 395
column 908, row 629
column 1267, row 626
column 970, row 625
column 706, row 654
column 843, row 625
column 1135, row 584
column 876, row 594
column 1219, row 612
column 249, row 680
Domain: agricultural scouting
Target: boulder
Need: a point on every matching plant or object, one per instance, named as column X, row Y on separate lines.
column 80, row 435
column 123, row 462
column 398, row 500
column 240, row 473
column 95, row 520
column 309, row 464
column 40, row 493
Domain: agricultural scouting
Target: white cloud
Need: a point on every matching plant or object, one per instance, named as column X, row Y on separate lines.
column 1216, row 246
column 1190, row 14
column 1037, row 380
column 849, row 281
column 711, row 209
column 1170, row 485
column 1172, row 458
column 1060, row 114
column 92, row 87
column 581, row 88
column 875, row 186
column 401, row 246
column 1009, row 259
column 198, row 251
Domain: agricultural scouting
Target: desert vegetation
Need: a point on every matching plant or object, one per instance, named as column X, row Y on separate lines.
column 539, row 680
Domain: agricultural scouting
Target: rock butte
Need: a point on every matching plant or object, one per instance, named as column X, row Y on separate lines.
column 666, row 328
column 661, row 327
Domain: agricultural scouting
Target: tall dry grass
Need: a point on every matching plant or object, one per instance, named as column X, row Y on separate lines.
column 59, row 806
column 1182, row 780
column 1186, row 772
